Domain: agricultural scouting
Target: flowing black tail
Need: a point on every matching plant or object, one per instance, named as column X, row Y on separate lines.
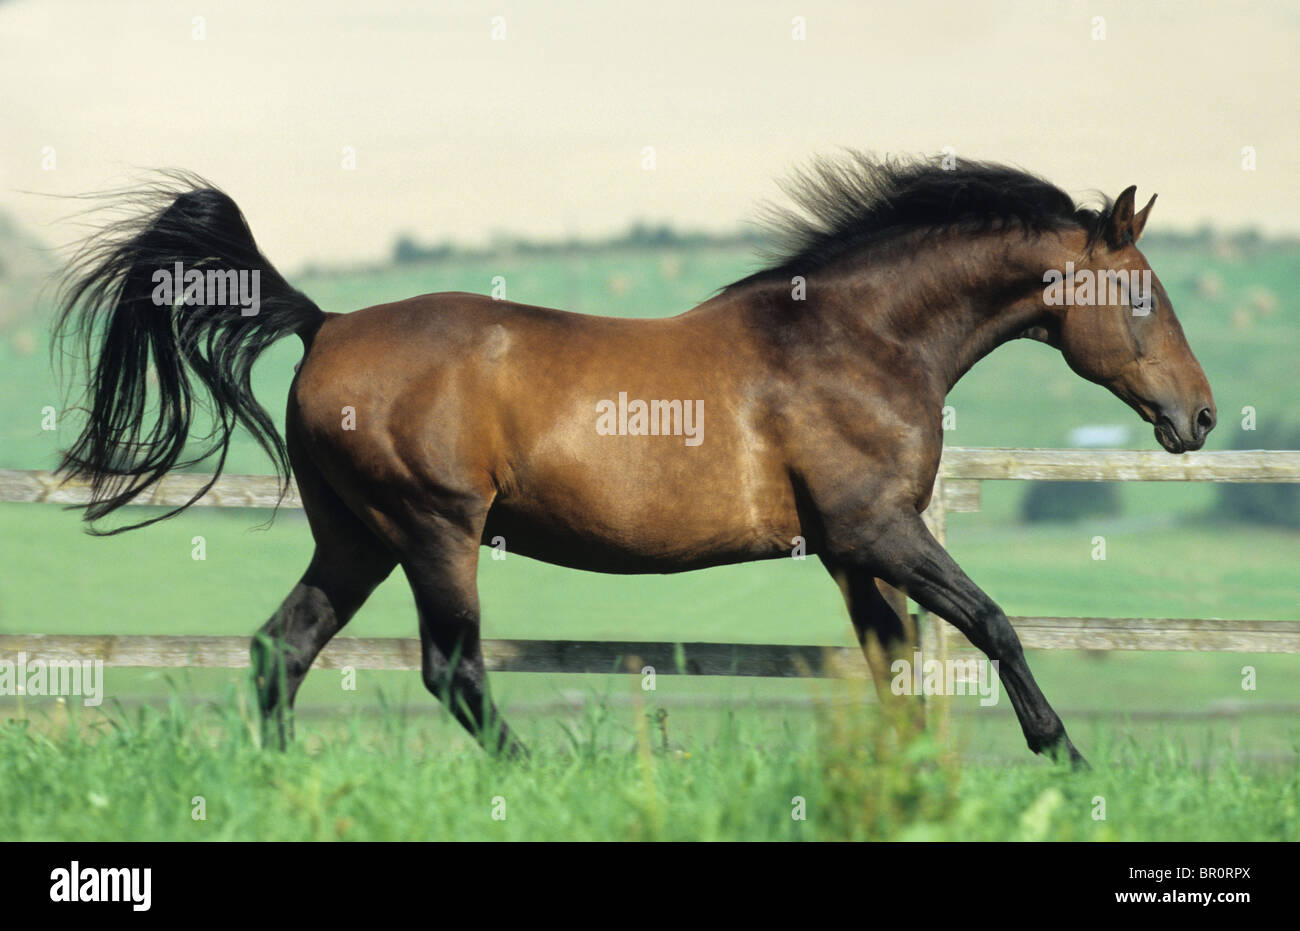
column 177, row 290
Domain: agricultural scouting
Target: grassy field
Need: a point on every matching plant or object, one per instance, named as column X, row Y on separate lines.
column 382, row 761
column 173, row 774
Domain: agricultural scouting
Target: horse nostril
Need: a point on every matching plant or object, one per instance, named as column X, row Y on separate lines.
column 1205, row 420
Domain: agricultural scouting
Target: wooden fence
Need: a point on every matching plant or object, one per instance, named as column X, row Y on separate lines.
column 956, row 490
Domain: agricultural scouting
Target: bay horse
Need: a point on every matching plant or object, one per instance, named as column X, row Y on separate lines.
column 422, row 429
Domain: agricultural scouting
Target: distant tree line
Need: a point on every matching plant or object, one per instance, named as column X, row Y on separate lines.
column 641, row 235
column 638, row 236
column 1246, row 240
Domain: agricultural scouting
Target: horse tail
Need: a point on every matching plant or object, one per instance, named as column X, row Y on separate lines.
column 168, row 308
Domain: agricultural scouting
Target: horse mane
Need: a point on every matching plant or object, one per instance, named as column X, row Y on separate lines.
column 855, row 201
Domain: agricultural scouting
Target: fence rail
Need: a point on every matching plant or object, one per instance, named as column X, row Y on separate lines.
column 956, row 490
column 630, row 656
column 963, row 468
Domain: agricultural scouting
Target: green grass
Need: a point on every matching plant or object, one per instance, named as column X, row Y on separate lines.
column 142, row 775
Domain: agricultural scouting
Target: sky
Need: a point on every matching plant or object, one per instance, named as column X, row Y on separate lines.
column 339, row 125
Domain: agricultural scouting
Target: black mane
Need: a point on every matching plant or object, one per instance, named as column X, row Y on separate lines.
column 855, row 201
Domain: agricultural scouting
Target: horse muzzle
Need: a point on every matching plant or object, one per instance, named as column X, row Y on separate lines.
column 1178, row 432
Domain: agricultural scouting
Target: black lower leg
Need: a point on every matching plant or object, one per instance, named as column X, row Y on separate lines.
column 885, row 638
column 322, row 602
column 446, row 595
column 919, row 565
column 282, row 651
column 454, row 671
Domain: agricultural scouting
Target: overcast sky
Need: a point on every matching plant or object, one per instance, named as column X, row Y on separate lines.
column 457, row 134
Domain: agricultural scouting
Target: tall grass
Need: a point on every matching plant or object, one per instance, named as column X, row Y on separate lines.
column 179, row 773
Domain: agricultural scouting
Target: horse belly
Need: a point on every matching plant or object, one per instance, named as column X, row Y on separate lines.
column 648, row 519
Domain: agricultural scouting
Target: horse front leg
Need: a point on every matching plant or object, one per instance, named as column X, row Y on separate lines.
column 887, row 634
column 900, row 550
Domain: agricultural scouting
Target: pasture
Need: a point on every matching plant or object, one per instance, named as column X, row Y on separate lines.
column 383, row 761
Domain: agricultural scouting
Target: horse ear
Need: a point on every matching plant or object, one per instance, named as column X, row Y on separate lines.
column 1140, row 221
column 1119, row 231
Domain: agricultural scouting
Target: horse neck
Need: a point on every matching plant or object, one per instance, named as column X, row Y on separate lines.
column 955, row 299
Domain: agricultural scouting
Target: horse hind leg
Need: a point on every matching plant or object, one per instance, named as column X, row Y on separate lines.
column 348, row 564
column 442, row 568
